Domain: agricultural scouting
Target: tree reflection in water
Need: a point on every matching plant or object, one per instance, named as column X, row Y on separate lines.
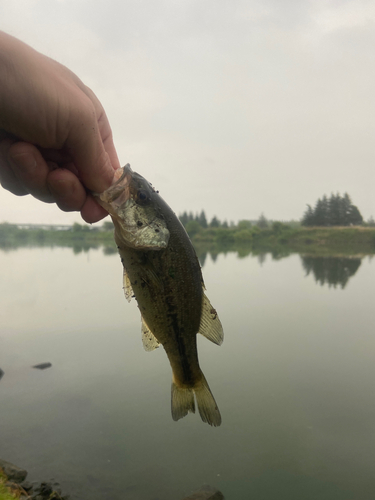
column 332, row 270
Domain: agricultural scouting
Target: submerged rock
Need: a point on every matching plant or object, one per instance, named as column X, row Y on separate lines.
column 43, row 366
column 206, row 493
column 13, row 473
column 24, row 490
column 1, row 374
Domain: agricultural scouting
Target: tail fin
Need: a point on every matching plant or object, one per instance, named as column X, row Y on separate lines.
column 183, row 402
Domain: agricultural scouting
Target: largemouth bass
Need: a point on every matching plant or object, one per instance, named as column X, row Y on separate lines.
column 162, row 271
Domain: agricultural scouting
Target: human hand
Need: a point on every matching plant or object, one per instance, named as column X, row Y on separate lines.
column 55, row 139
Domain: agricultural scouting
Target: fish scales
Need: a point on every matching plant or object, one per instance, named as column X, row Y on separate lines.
column 162, row 271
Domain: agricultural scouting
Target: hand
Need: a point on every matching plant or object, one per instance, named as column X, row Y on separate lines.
column 55, row 139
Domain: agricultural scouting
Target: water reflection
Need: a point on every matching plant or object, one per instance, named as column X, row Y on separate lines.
column 331, row 270
column 334, row 271
column 294, row 380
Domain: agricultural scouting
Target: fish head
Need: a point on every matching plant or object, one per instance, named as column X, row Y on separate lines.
column 132, row 204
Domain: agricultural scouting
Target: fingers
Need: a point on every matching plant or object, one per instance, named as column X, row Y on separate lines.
column 66, row 190
column 8, row 179
column 91, row 211
column 30, row 169
column 91, row 145
column 25, row 171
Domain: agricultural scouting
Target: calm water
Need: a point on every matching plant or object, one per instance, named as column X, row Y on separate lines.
column 294, row 380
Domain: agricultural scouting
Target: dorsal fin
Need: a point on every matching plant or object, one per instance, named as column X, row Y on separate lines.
column 150, row 342
column 210, row 325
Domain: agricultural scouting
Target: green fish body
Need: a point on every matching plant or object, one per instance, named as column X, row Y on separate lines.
column 162, row 271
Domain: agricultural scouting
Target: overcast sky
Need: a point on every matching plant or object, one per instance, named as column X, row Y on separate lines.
column 237, row 107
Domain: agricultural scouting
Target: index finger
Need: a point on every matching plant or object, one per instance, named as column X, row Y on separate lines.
column 90, row 143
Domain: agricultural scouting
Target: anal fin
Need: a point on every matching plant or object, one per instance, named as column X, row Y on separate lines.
column 210, row 325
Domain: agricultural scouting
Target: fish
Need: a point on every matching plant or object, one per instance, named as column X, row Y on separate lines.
column 162, row 272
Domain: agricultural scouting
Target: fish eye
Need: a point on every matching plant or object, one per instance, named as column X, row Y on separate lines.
column 142, row 197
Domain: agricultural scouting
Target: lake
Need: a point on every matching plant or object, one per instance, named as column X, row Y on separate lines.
column 294, row 380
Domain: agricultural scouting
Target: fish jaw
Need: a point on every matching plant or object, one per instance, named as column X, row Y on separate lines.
column 131, row 203
column 118, row 193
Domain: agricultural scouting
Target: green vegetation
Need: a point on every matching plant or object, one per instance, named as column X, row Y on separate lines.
column 5, row 492
column 80, row 237
column 281, row 239
column 335, row 211
column 256, row 237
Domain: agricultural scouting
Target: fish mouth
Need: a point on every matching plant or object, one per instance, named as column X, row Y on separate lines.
column 117, row 194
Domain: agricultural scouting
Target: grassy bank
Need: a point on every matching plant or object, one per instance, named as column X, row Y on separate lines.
column 279, row 239
column 78, row 237
column 5, row 492
column 283, row 239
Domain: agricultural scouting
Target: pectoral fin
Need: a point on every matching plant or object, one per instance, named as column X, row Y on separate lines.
column 128, row 290
column 210, row 325
column 149, row 340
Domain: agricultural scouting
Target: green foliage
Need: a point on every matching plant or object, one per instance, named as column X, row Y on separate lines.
column 243, row 236
column 108, row 225
column 5, row 493
column 224, row 237
column 193, row 227
column 335, row 211
column 215, row 222
column 279, row 227
column 202, row 220
column 77, row 228
column 243, row 224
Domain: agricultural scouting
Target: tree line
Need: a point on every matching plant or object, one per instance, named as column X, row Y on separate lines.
column 195, row 223
column 334, row 211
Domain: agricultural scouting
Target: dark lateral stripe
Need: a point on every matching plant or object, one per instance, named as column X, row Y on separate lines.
column 186, row 369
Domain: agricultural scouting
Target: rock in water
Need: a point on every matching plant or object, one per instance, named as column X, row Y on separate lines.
column 206, row 493
column 13, row 472
column 43, row 366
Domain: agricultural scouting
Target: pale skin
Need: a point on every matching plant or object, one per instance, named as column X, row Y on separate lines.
column 55, row 139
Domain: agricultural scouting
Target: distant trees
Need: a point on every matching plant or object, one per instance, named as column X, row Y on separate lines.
column 262, row 221
column 334, row 211
column 186, row 219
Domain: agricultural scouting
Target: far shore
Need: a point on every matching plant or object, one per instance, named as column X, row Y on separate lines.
column 277, row 238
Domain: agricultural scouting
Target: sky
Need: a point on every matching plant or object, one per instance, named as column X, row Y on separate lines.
column 237, row 107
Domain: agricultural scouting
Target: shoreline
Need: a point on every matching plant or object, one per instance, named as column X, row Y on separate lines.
column 13, row 485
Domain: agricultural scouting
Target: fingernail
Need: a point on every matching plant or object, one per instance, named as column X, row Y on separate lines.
column 24, row 161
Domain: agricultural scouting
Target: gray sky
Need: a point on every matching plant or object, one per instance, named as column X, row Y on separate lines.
column 236, row 107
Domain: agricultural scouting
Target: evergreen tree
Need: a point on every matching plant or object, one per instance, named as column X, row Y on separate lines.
column 335, row 211
column 184, row 218
column 321, row 212
column 262, row 221
column 202, row 219
column 308, row 217
column 354, row 217
column 215, row 222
